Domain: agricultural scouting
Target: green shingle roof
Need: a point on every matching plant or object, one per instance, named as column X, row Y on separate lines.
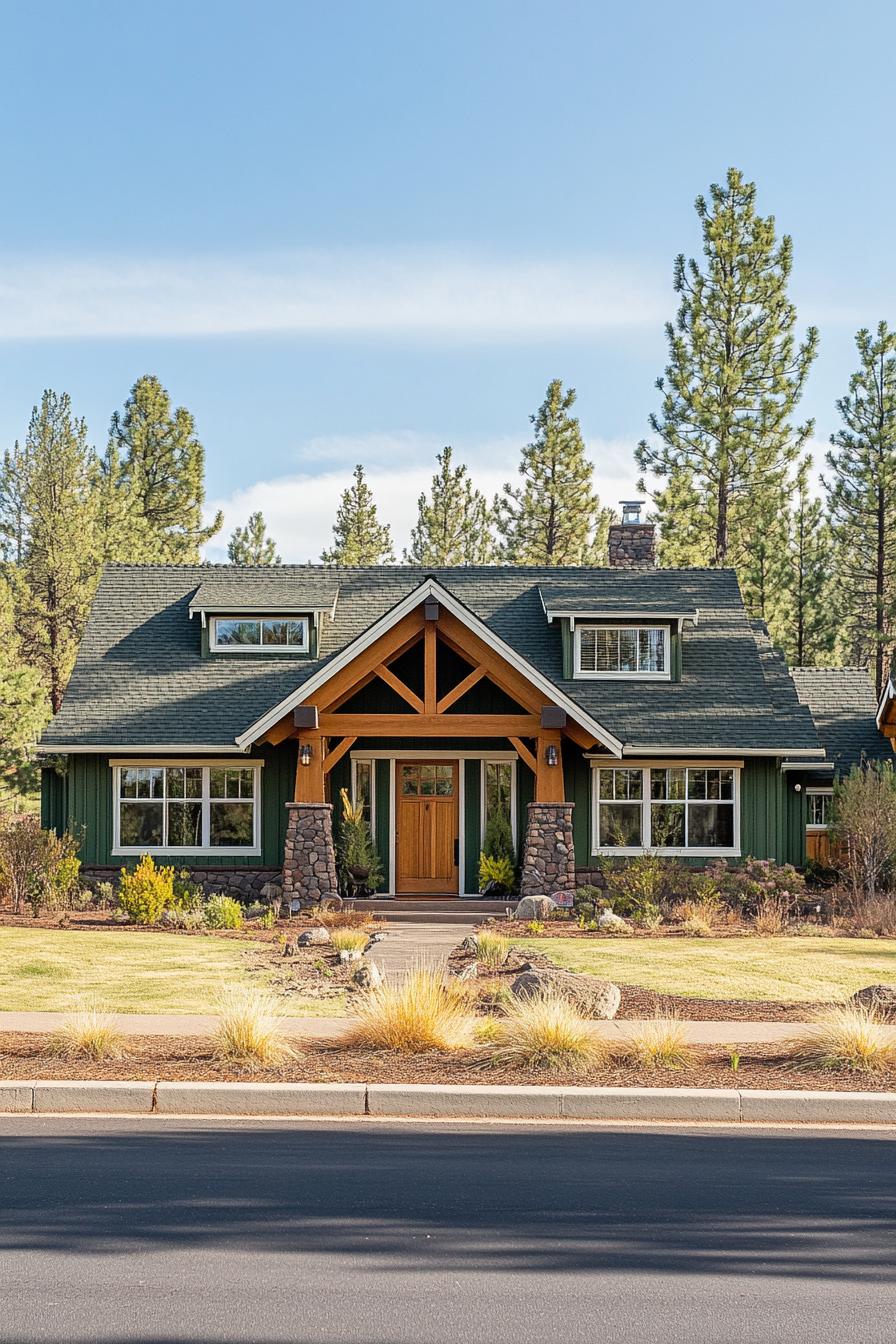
column 140, row 679
column 270, row 589
column 842, row 704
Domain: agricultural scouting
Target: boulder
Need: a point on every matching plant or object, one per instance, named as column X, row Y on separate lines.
column 313, row 937
column 469, row 972
column 271, row 891
column 611, row 923
column 347, row 954
column 588, row 995
column 880, row 999
column 535, row 907
column 368, row 976
column 470, row 943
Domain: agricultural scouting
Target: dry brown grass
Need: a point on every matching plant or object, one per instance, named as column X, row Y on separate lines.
column 546, row 1033
column 344, row 919
column 249, row 1029
column 847, row 1036
column 421, row 1012
column 661, row 1044
column 88, row 1033
column 771, row 917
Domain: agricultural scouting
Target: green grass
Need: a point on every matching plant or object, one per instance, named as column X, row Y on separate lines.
column 43, row 970
column 794, row 969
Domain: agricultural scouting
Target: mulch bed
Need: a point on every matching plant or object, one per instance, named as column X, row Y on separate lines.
column 25, row 1056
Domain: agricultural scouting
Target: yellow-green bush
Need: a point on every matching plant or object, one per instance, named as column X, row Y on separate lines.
column 223, row 912
column 144, row 893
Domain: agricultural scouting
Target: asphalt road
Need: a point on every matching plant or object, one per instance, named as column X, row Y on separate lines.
column 249, row 1231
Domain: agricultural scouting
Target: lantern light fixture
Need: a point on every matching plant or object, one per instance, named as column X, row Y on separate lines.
column 305, row 753
column 552, row 755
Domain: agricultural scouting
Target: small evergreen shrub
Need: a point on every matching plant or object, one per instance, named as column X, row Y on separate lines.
column 355, row 847
column 498, row 871
column 144, row 893
column 185, row 894
column 223, row 912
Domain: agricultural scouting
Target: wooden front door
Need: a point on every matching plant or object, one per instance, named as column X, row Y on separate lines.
column 427, row 835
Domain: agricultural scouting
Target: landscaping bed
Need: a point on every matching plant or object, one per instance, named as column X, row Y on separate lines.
column 25, row 1056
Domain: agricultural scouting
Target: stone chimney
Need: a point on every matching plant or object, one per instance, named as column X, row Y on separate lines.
column 632, row 541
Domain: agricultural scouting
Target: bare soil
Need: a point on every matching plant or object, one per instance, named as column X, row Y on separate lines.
column 172, row 1058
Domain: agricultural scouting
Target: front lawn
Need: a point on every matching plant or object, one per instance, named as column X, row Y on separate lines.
column 785, row 969
column 47, row 969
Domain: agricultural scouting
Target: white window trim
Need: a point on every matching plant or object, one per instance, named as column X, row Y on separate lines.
column 824, row 793
column 202, row 851
column 667, row 851
column 498, row 760
column 582, row 675
column 304, row 647
column 370, row 761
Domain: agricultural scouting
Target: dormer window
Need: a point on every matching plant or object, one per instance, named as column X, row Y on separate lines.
column 622, row 651
column 248, row 634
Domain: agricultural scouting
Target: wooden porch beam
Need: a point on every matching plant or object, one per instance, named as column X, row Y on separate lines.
column 335, row 754
column 309, row 785
column 430, row 725
column 399, row 687
column 549, row 778
column 524, row 754
column 459, row 691
column 430, row 654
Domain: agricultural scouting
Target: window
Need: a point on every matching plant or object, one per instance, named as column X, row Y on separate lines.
column 677, row 809
column 498, row 798
column 362, row 790
column 821, row 802
column 427, row 781
column 240, row 634
column 622, row 651
column 186, row 807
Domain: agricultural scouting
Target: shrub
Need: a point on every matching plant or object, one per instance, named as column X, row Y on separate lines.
column 185, row 893
column 104, row 895
column 349, row 940
column 535, row 927
column 144, row 893
column 88, row 1033
column 864, row 824
column 342, row 919
column 497, row 842
column 495, row 872
column 249, row 1027
column 545, row 1032
column 355, row 847
column 182, row 919
column 660, row 1044
column 697, row 924
column 875, row 913
column 266, row 918
column 420, row 1012
column 772, row 916
column 36, row 866
column 845, row 1037
column 746, row 886
column 223, row 912
column 491, row 949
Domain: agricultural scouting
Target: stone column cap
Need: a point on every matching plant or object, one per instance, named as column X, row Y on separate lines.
column 318, row 807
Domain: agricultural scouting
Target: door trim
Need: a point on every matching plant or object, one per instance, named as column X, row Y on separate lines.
column 441, row 758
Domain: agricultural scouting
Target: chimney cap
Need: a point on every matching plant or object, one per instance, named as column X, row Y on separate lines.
column 631, row 510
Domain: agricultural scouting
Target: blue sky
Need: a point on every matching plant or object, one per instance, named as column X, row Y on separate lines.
column 356, row 231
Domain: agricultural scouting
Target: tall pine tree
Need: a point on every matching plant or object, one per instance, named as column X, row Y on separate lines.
column 159, row 463
column 24, row 709
column 735, row 375
column 251, row 545
column 861, row 485
column 453, row 523
column 54, row 584
column 555, row 517
column 358, row 536
column 807, row 618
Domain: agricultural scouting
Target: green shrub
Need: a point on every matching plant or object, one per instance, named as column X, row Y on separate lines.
column 266, row 918
column 498, row 870
column 223, row 912
column 497, row 842
column 144, row 893
column 104, row 895
column 186, row 894
column 355, row 847
column 37, row 866
column 748, row 886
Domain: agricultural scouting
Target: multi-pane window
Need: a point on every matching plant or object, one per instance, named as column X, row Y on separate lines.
column 362, row 789
column 497, row 796
column 269, row 632
column 186, row 807
column 607, row 650
column 820, row 809
column 429, row 780
column 665, row 808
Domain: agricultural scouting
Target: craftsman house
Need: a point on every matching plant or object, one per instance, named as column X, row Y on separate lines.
column 215, row 712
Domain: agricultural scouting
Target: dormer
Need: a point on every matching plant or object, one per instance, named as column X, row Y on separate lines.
column 609, row 639
column 248, row 613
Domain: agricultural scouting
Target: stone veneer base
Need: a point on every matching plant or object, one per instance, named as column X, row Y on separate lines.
column 549, row 862
column 309, row 859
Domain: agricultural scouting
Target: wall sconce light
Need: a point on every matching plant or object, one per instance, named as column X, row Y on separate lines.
column 305, row 754
column 797, row 788
column 551, row 755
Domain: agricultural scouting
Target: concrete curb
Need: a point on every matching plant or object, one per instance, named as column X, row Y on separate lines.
column 682, row 1105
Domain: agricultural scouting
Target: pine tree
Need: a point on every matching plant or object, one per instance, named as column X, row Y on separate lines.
column 251, row 545
column 555, row 517
column 734, row 378
column 358, row 536
column 806, row 624
column 24, row 709
column 454, row 523
column 161, row 469
column 13, row 509
column 862, row 503
column 54, row 585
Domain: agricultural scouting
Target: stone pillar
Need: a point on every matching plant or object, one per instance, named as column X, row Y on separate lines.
column 309, row 858
column 549, row 860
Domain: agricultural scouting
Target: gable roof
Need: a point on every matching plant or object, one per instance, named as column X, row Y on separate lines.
column 842, row 703
column 269, row 591
column 140, row 680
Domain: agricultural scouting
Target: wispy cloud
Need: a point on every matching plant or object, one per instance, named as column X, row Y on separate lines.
column 436, row 293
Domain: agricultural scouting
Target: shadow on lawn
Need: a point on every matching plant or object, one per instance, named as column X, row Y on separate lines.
column 520, row 1201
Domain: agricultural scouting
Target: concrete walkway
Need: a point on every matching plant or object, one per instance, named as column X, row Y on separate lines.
column 409, row 944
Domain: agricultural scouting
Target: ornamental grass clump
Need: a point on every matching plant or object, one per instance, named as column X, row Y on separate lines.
column 492, row 949
column 660, row 1044
column 87, row 1033
column 249, row 1027
column 417, row 1013
column 349, row 940
column 848, row 1036
column 545, row 1033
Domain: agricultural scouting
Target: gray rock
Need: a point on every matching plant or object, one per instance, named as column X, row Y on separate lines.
column 313, row 937
column 469, row 972
column 376, row 937
column 368, row 976
column 347, row 954
column 588, row 995
column 535, row 907
column 880, row 999
column 611, row 923
column 470, row 943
